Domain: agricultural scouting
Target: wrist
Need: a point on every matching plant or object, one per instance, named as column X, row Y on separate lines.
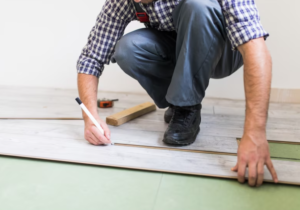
column 254, row 129
column 255, row 126
column 87, row 120
column 255, row 123
column 93, row 110
column 255, row 136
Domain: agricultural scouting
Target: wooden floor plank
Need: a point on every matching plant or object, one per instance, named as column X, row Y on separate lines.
column 79, row 151
column 21, row 102
column 284, row 130
column 275, row 112
column 275, row 132
column 47, row 103
column 222, row 123
column 75, row 130
column 241, row 104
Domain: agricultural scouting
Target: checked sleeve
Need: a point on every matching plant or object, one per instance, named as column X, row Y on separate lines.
column 109, row 28
column 242, row 20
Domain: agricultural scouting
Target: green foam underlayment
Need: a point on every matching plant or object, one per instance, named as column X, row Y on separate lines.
column 285, row 151
column 44, row 185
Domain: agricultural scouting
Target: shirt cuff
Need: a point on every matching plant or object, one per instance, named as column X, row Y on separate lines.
column 242, row 32
column 89, row 66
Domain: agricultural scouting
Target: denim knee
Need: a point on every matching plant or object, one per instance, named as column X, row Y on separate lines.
column 201, row 7
column 199, row 16
column 123, row 50
column 124, row 54
column 199, row 11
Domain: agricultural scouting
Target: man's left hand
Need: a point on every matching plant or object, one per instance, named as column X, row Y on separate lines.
column 254, row 153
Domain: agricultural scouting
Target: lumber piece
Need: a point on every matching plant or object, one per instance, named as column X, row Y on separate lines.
column 130, row 114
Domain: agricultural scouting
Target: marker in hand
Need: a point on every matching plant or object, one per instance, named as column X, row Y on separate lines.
column 90, row 116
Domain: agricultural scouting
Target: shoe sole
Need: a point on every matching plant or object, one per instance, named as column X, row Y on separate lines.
column 173, row 142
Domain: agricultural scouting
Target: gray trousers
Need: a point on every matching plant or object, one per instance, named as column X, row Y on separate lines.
column 175, row 67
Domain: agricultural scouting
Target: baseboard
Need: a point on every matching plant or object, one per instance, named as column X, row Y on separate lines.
column 279, row 95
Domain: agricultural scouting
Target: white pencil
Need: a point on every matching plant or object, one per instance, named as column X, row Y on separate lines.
column 90, row 116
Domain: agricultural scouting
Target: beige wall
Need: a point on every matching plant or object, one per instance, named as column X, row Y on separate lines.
column 40, row 42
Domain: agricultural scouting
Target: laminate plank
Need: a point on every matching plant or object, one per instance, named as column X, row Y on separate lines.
column 43, row 103
column 144, row 133
column 212, row 125
column 277, row 112
column 59, row 103
column 75, row 130
column 230, row 121
column 47, row 103
column 285, row 113
column 79, row 151
column 218, row 129
column 287, row 130
column 237, row 108
column 241, row 104
column 215, row 144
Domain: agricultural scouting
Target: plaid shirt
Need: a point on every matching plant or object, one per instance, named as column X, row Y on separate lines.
column 241, row 17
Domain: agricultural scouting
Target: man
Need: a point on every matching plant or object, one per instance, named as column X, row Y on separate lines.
column 184, row 44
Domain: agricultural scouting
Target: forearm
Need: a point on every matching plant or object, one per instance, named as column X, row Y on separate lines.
column 87, row 88
column 257, row 81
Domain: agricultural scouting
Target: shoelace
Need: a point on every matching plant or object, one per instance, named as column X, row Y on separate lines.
column 188, row 118
column 183, row 116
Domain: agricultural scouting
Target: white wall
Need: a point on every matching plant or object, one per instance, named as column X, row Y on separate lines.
column 40, row 42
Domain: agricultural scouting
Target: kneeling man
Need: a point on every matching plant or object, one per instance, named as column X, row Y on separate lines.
column 184, row 44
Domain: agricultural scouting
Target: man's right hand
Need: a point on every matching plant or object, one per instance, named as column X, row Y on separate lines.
column 93, row 135
column 87, row 88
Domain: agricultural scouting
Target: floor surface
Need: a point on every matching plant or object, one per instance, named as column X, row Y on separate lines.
column 43, row 185
column 27, row 184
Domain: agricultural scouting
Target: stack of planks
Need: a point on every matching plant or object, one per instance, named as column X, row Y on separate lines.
column 56, row 133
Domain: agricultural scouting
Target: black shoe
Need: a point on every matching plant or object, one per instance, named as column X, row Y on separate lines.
column 169, row 113
column 184, row 126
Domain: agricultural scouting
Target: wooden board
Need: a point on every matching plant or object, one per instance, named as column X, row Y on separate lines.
column 79, row 151
column 50, row 103
column 59, row 104
column 152, row 127
column 237, row 108
column 75, row 130
column 130, row 114
column 226, row 126
column 44, row 103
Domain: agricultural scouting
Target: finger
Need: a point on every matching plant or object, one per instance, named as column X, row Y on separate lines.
column 95, row 140
column 235, row 168
column 106, row 131
column 89, row 138
column 252, row 175
column 241, row 171
column 272, row 170
column 260, row 173
column 99, row 136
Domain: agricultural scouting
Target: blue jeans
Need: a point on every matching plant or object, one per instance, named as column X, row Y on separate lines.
column 175, row 67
